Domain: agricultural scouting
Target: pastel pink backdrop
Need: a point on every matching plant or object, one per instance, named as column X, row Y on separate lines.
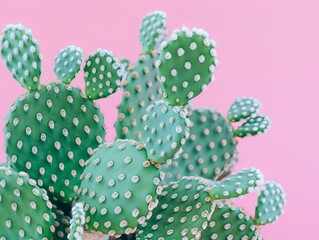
column 267, row 49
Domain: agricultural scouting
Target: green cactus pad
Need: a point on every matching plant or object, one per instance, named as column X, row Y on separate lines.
column 119, row 188
column 165, row 131
column 243, row 108
column 257, row 124
column 62, row 213
column 68, row 63
column 229, row 166
column 208, row 150
column 229, row 222
column 21, row 54
column 25, row 208
column 237, row 184
column 183, row 211
column 49, row 133
column 77, row 222
column 102, row 74
column 270, row 203
column 153, row 30
column 141, row 89
column 186, row 65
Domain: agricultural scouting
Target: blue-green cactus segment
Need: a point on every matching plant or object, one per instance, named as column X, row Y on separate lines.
column 119, row 188
column 257, row 124
column 77, row 222
column 270, row 203
column 62, row 213
column 141, row 89
column 243, row 108
column 237, row 184
column 183, row 211
column 153, row 30
column 209, row 149
column 165, row 131
column 102, row 74
column 186, row 65
column 126, row 64
column 63, row 127
column 25, row 208
column 229, row 222
column 68, row 63
column 229, row 166
column 21, row 54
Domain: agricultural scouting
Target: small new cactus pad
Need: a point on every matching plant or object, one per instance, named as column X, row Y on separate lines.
column 62, row 213
column 186, row 65
column 237, row 184
column 270, row 203
column 243, row 108
column 77, row 222
column 229, row 222
column 68, row 63
column 141, row 89
column 165, row 131
column 102, row 74
column 257, row 124
column 183, row 211
column 119, row 188
column 153, row 30
column 20, row 53
column 25, row 208
column 208, row 150
column 49, row 133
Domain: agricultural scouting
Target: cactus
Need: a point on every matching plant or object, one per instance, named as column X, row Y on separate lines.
column 62, row 217
column 77, row 222
column 25, row 208
column 257, row 124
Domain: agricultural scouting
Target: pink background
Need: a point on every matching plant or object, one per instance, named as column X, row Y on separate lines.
column 267, row 49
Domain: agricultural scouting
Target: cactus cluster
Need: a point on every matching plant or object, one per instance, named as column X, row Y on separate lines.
column 166, row 176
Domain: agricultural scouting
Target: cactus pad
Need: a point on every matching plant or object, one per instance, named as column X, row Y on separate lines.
column 270, row 203
column 62, row 213
column 165, row 131
column 61, row 130
column 186, row 65
column 102, row 74
column 68, row 63
column 119, row 188
column 77, row 222
column 153, row 30
column 20, row 52
column 25, row 208
column 229, row 222
column 243, row 108
column 257, row 124
column 183, row 211
column 208, row 150
column 141, row 89
column 237, row 184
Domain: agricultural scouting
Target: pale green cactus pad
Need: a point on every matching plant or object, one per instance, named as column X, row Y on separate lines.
column 183, row 211
column 153, row 30
column 165, row 131
column 77, row 222
column 237, row 184
column 257, row 124
column 49, row 133
column 119, row 188
column 68, row 63
column 229, row 222
column 209, row 149
column 141, row 89
column 186, row 65
column 243, row 108
column 270, row 203
column 102, row 74
column 20, row 53
column 25, row 208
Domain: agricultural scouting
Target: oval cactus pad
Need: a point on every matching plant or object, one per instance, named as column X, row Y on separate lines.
column 21, row 54
column 243, row 108
column 119, row 188
column 257, row 124
column 186, row 65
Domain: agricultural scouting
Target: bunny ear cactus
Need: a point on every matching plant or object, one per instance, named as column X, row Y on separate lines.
column 25, row 208
column 77, row 222
column 62, row 217
column 257, row 124
column 63, row 126
column 21, row 54
column 68, row 63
